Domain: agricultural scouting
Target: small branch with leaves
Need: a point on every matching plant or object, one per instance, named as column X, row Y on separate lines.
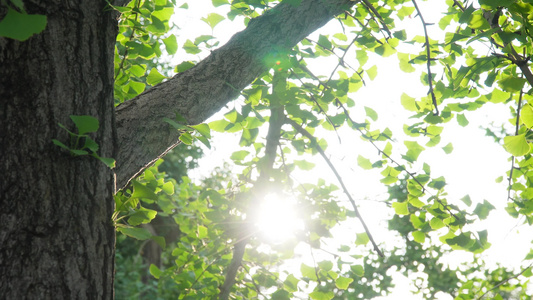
column 428, row 59
column 315, row 144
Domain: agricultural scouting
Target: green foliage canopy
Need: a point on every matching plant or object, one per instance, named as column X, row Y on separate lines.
column 282, row 117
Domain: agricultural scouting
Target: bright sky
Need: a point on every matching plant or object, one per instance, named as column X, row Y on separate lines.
column 466, row 169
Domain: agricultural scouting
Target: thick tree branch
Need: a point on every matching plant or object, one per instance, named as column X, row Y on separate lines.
column 199, row 92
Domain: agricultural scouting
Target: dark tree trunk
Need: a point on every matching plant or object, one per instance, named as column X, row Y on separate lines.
column 56, row 236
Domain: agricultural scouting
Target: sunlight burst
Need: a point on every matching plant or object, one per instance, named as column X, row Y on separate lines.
column 277, row 218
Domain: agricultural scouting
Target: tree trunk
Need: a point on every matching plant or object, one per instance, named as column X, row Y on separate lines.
column 56, row 236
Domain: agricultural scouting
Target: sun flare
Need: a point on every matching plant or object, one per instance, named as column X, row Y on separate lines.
column 277, row 218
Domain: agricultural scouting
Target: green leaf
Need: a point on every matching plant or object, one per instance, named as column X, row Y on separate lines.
column 58, row 143
column 405, row 64
column 191, row 48
column 85, row 124
column 202, row 232
column 482, row 210
column 405, row 11
column 343, row 282
column 219, row 125
column 419, row 236
column 361, row 56
column 478, row 21
column 184, row 66
column 436, row 223
column 461, row 119
column 141, row 216
column 372, row 72
column 516, row 145
column 203, row 129
column 324, row 42
column 171, row 44
column 512, row 84
column 137, row 233
column 154, row 77
column 239, row 155
column 371, row 113
column 358, row 270
column 168, row 188
column 437, row 183
column 21, row 26
column 362, row 238
column 466, row 200
column 317, row 295
column 325, row 265
column 217, row 3
column 304, row 164
column 213, row 19
column 291, row 283
column 448, row 148
column 141, row 191
column 108, row 161
column 400, row 208
column 154, row 270
column 78, row 152
column 308, row 271
column 186, row 138
column 413, row 151
column 280, row 295
column 384, row 50
column 526, row 115
column 408, row 103
column 364, row 163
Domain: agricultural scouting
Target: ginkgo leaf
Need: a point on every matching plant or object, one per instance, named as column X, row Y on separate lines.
column 516, row 145
column 526, row 116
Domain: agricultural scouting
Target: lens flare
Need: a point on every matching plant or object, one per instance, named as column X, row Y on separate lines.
column 277, row 218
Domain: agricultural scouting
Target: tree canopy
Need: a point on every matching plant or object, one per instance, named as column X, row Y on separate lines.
column 296, row 70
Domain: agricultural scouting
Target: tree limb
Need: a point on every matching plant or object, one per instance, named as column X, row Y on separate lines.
column 199, row 92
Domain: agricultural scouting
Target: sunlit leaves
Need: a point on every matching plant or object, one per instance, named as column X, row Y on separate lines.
column 213, row 19
column 364, row 162
column 516, row 145
column 171, row 44
column 511, row 84
column 154, row 77
column 413, row 151
column 526, row 116
column 362, row 239
column 448, row 148
column 482, row 210
column 400, row 208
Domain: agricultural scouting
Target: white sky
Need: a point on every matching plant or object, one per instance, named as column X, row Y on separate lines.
column 471, row 169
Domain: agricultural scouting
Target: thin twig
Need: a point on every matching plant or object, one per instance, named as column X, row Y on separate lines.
column 412, row 175
column 377, row 14
column 428, row 53
column 505, row 281
column 315, row 144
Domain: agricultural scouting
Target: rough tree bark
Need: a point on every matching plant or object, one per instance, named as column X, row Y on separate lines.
column 56, row 238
